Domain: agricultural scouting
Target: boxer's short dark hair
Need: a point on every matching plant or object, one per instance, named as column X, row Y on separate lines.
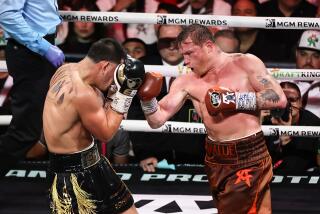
column 107, row 49
column 199, row 34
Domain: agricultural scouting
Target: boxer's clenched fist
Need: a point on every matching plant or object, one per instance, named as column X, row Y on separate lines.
column 128, row 77
column 149, row 90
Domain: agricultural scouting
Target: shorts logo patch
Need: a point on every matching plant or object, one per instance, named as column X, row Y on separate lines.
column 243, row 175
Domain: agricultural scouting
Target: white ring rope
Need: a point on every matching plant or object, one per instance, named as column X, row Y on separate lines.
column 198, row 128
column 187, row 19
column 174, row 71
column 288, row 74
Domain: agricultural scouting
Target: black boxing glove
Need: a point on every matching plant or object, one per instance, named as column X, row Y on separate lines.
column 128, row 77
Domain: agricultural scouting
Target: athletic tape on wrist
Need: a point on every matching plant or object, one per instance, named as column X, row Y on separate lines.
column 149, row 107
column 246, row 101
column 121, row 102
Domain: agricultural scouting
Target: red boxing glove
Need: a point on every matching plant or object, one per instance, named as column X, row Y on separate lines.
column 149, row 90
column 219, row 99
column 151, row 86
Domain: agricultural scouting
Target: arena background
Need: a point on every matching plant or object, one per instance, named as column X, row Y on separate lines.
column 184, row 190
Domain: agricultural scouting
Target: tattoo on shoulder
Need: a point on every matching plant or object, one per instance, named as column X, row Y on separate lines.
column 270, row 95
column 56, row 88
column 61, row 98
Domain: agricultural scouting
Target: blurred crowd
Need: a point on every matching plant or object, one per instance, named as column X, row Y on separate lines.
column 155, row 45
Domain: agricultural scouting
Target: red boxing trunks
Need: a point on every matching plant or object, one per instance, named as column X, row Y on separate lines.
column 239, row 172
column 84, row 182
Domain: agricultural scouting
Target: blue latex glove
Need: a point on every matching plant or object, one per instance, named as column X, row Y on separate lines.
column 55, row 56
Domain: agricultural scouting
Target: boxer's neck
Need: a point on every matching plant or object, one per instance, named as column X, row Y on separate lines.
column 219, row 61
column 86, row 70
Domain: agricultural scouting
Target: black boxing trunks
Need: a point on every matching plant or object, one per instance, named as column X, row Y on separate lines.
column 239, row 173
column 86, row 183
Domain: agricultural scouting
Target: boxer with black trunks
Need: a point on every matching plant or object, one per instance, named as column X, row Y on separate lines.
column 228, row 91
column 75, row 111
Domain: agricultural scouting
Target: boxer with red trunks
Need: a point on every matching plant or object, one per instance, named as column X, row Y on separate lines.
column 228, row 92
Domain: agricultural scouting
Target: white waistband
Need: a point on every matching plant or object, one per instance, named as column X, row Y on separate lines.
column 85, row 149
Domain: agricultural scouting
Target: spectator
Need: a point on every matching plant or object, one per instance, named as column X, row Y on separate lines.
column 121, row 4
column 149, row 148
column 318, row 11
column 228, row 41
column 247, row 35
column 293, row 154
column 3, row 44
column 145, row 32
column 115, row 30
column 308, row 57
column 135, row 47
column 83, row 34
column 252, row 40
column 224, row 7
column 198, row 7
column 166, row 8
column 5, row 83
column 117, row 149
column 31, row 57
column 284, row 39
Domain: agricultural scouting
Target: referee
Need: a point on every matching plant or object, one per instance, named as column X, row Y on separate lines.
column 32, row 58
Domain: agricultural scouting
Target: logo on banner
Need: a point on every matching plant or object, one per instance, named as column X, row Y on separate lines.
column 167, row 128
column 270, row 23
column 274, row 131
column 161, row 19
column 277, row 73
column 148, row 203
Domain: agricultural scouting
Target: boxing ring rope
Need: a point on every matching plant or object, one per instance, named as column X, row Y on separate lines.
column 198, row 128
column 187, row 19
column 174, row 71
column 281, row 74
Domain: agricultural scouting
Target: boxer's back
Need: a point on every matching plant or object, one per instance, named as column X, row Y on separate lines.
column 62, row 126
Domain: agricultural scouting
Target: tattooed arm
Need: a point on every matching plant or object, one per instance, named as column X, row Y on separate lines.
column 269, row 94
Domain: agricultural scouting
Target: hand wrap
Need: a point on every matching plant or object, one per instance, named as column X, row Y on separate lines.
column 148, row 92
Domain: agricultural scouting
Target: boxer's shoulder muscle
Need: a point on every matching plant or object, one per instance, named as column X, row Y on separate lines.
column 249, row 63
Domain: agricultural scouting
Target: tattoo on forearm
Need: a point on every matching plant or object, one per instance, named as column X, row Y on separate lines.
column 270, row 95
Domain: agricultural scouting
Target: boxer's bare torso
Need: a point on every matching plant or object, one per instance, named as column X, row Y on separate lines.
column 64, row 131
column 237, row 72
column 226, row 125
